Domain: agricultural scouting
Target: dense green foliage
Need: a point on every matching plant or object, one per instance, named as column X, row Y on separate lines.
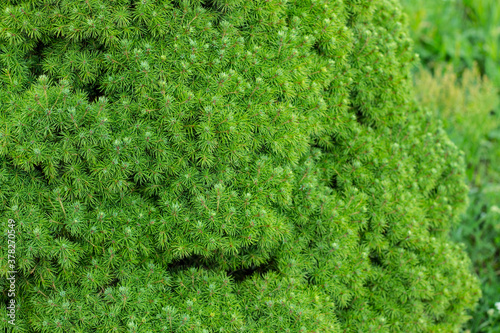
column 457, row 31
column 467, row 107
column 231, row 166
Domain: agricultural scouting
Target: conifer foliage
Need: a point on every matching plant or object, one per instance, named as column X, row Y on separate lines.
column 224, row 166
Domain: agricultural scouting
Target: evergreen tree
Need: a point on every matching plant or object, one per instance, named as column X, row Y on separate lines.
column 224, row 166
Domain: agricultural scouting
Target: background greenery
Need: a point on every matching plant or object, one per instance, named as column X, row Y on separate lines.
column 459, row 45
column 457, row 31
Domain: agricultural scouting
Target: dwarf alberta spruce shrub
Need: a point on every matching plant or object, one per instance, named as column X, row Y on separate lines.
column 239, row 166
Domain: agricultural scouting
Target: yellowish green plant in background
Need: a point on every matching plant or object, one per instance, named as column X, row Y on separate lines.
column 469, row 109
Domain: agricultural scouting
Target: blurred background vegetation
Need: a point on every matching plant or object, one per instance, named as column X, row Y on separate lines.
column 459, row 79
